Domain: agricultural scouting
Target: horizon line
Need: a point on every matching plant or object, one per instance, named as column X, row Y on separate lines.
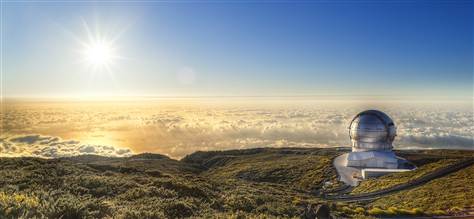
column 102, row 97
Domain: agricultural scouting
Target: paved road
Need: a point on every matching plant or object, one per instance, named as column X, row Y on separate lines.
column 417, row 182
column 346, row 173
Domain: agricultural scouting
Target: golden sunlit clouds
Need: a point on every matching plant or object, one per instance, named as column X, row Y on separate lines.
column 179, row 126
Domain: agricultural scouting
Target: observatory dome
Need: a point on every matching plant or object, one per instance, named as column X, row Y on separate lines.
column 372, row 130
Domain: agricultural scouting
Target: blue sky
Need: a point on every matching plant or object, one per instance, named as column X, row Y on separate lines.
column 184, row 49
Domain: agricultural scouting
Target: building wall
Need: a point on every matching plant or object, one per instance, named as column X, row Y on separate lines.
column 373, row 162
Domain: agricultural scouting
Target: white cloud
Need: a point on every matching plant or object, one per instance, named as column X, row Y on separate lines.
column 180, row 129
column 52, row 147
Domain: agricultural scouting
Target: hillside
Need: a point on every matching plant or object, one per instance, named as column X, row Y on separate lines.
column 254, row 183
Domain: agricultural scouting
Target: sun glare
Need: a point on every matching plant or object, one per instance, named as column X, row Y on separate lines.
column 99, row 54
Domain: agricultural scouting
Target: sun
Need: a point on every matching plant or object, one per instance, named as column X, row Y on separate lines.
column 98, row 51
column 99, row 54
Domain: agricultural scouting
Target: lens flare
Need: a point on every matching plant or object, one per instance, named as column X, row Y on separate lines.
column 98, row 51
column 99, row 54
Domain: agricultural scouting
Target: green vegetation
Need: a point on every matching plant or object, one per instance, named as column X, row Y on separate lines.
column 450, row 193
column 13, row 205
column 301, row 171
column 387, row 181
column 155, row 186
column 253, row 183
column 367, row 211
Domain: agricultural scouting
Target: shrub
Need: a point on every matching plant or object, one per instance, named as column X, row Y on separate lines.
column 70, row 206
column 376, row 211
column 455, row 209
column 178, row 209
column 392, row 210
column 402, row 211
column 138, row 214
column 438, row 212
column 417, row 211
column 185, row 190
column 241, row 202
column 359, row 210
column 297, row 201
column 17, row 205
column 347, row 210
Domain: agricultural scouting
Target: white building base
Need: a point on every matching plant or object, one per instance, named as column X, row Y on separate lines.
column 372, row 159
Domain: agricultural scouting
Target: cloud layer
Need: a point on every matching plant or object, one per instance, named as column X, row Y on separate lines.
column 177, row 128
column 52, row 147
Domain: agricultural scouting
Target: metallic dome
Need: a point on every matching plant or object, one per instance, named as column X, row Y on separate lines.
column 372, row 130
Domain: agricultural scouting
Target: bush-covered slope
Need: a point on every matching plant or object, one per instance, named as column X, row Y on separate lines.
column 261, row 182
column 155, row 186
column 303, row 172
column 68, row 189
column 387, row 181
column 455, row 191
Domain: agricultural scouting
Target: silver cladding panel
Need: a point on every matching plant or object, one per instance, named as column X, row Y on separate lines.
column 372, row 130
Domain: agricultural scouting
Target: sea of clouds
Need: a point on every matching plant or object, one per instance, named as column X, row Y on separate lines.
column 52, row 147
column 177, row 129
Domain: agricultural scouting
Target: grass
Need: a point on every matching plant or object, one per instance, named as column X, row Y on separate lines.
column 301, row 172
column 387, row 181
column 444, row 194
column 155, row 186
column 253, row 183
